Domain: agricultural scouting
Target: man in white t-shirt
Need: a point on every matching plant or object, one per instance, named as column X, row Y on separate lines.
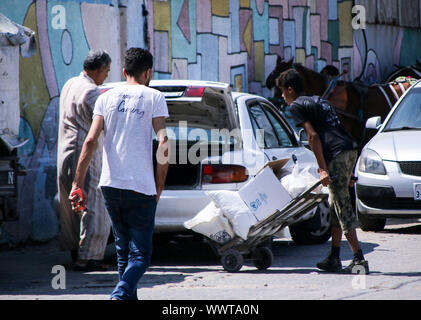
column 128, row 115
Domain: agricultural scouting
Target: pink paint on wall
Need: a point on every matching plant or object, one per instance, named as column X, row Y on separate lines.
column 204, row 16
column 326, row 52
column 315, row 33
column 322, row 8
column 260, row 5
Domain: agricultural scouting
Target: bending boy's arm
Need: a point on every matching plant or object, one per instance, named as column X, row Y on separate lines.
column 317, row 148
column 162, row 154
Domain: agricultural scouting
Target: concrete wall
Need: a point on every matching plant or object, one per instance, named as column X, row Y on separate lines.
column 235, row 41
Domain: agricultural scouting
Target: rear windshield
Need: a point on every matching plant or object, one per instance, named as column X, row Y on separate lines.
column 206, row 120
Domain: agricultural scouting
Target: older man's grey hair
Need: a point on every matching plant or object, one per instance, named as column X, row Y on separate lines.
column 96, row 59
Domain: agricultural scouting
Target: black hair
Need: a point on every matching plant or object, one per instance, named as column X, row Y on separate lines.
column 137, row 61
column 330, row 70
column 96, row 59
column 291, row 78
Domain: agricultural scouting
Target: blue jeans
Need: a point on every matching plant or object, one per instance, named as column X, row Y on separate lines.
column 133, row 220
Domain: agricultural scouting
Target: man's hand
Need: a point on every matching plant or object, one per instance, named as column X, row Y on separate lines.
column 159, row 190
column 325, row 178
column 78, row 199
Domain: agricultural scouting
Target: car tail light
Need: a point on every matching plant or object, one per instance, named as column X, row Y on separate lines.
column 194, row 91
column 222, row 173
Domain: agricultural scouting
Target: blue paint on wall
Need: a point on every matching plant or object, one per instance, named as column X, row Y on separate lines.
column 74, row 26
column 261, row 25
column 181, row 48
column 17, row 11
column 289, row 35
column 235, row 25
column 207, row 45
column 333, row 10
column 25, row 132
column 241, row 70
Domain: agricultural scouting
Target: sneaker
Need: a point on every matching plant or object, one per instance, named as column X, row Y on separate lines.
column 330, row 264
column 357, row 267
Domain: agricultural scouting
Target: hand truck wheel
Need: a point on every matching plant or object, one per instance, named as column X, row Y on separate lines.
column 262, row 258
column 232, row 260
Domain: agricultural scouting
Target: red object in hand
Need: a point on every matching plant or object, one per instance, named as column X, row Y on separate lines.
column 79, row 202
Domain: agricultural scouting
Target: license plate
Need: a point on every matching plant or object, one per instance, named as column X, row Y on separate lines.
column 417, row 191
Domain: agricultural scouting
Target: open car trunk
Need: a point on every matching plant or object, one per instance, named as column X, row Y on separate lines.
column 195, row 131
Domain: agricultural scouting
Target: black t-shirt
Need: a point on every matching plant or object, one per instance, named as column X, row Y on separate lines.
column 326, row 123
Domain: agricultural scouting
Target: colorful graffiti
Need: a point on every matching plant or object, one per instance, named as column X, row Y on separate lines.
column 59, row 56
column 234, row 41
column 237, row 41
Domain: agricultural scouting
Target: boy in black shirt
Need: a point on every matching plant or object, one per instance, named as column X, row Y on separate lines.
column 336, row 155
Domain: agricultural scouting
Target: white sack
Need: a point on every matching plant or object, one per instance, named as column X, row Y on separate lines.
column 300, row 180
column 211, row 223
column 234, row 208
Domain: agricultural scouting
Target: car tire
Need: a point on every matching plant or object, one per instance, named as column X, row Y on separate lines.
column 371, row 224
column 303, row 235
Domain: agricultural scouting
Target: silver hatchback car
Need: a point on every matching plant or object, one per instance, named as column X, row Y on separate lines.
column 219, row 140
column 389, row 167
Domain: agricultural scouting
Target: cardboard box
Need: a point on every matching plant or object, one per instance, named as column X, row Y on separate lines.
column 264, row 194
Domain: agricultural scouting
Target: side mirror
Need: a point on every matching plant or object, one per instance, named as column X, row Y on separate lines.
column 374, row 123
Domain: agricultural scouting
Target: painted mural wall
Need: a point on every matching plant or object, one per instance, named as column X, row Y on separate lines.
column 65, row 32
column 393, row 34
column 235, row 41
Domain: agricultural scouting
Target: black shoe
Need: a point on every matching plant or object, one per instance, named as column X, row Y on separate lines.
column 357, row 266
column 330, row 264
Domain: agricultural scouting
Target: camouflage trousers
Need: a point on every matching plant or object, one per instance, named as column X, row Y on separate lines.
column 340, row 170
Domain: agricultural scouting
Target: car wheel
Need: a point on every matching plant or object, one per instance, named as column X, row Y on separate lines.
column 304, row 234
column 232, row 260
column 371, row 224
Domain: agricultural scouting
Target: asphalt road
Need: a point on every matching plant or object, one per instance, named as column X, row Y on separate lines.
column 185, row 268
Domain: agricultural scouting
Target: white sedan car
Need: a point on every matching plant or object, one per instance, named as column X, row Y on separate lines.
column 389, row 168
column 219, row 140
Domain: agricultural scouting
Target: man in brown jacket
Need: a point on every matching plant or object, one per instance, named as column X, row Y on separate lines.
column 85, row 234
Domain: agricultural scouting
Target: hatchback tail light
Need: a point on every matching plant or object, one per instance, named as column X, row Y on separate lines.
column 222, row 173
column 194, row 91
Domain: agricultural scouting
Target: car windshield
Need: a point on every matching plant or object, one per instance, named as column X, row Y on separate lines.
column 407, row 115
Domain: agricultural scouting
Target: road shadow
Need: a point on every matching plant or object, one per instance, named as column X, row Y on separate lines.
column 416, row 229
column 289, row 254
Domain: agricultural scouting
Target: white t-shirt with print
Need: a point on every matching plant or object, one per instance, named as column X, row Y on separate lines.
column 127, row 160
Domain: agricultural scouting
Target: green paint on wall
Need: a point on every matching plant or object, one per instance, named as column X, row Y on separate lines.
column 333, row 37
column 411, row 47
